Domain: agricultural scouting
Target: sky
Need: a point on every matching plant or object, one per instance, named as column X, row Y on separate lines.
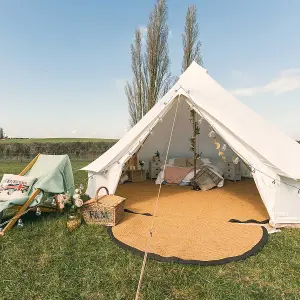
column 64, row 64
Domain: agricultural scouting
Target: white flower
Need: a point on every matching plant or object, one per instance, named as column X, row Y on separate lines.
column 78, row 202
column 76, row 196
column 77, row 191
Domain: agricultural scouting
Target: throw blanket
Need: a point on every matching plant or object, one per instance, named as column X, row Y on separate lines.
column 207, row 178
column 176, row 174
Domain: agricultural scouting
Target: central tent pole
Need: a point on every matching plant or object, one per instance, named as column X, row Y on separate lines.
column 195, row 145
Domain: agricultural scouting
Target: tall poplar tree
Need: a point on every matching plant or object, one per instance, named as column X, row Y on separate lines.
column 156, row 59
column 190, row 41
column 135, row 92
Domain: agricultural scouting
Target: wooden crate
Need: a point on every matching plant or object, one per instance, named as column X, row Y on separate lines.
column 136, row 175
column 107, row 210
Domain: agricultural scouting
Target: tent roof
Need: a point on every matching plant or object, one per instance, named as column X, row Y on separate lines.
column 276, row 148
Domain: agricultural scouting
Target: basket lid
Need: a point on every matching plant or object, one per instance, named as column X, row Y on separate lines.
column 111, row 200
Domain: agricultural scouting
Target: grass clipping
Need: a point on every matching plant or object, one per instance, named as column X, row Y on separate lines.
column 192, row 225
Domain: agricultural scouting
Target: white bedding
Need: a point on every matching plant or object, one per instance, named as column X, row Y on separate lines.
column 187, row 180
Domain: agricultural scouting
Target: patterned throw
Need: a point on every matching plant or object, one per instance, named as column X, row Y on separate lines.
column 205, row 179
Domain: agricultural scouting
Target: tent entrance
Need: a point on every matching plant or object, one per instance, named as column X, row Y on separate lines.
column 180, row 145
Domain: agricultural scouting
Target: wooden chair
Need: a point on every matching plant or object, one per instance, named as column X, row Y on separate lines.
column 22, row 208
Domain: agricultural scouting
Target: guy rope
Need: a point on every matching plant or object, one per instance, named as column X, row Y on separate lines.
column 155, row 211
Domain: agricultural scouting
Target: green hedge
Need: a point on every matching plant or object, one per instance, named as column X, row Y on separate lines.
column 84, row 150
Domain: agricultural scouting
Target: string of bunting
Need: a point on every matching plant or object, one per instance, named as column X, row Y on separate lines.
column 236, row 160
column 212, row 134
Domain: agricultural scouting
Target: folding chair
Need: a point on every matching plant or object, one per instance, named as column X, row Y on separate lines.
column 54, row 175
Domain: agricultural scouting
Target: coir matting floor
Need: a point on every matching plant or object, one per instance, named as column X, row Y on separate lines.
column 193, row 227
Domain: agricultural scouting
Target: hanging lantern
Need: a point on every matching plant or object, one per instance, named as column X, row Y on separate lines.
column 20, row 223
column 236, row 160
column 212, row 134
column 38, row 211
column 224, row 147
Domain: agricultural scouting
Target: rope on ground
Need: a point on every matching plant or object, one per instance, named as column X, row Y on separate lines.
column 155, row 210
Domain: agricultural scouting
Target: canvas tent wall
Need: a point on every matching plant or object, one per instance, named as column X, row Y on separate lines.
column 262, row 146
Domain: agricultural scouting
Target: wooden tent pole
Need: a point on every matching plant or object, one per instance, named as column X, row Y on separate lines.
column 195, row 145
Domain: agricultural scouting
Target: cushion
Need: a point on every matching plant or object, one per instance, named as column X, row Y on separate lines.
column 190, row 162
column 206, row 160
column 180, row 162
column 205, row 179
column 171, row 161
column 15, row 183
column 17, row 197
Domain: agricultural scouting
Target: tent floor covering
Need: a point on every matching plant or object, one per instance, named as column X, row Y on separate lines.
column 193, row 226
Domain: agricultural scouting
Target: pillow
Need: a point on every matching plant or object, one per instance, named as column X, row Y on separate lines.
column 180, row 162
column 16, row 196
column 190, row 162
column 171, row 161
column 12, row 183
column 206, row 160
column 205, row 179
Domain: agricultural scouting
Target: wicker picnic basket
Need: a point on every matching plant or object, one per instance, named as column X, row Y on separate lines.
column 106, row 210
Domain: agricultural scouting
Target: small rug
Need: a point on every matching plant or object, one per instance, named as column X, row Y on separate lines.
column 192, row 226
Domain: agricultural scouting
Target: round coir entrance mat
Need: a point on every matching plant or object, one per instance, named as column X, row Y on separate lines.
column 192, row 227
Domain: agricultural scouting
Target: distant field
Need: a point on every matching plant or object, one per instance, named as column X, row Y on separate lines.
column 55, row 140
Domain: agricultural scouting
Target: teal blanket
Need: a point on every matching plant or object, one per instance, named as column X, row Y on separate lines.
column 54, row 175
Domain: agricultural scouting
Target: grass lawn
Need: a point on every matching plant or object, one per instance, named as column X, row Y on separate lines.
column 55, row 140
column 44, row 261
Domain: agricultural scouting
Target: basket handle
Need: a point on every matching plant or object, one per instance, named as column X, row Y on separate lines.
column 97, row 192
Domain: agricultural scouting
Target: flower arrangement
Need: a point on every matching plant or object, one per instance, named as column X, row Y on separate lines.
column 157, row 154
column 74, row 202
column 142, row 163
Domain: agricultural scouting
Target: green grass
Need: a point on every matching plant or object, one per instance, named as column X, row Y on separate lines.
column 55, row 140
column 44, row 261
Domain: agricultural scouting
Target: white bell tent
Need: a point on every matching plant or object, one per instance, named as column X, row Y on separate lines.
column 272, row 156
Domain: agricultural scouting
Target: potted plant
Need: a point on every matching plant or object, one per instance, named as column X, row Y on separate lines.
column 142, row 163
column 73, row 204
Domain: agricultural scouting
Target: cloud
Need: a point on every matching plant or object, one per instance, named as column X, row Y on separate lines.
column 288, row 80
column 74, row 131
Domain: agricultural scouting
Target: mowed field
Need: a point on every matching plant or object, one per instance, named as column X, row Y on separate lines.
column 43, row 260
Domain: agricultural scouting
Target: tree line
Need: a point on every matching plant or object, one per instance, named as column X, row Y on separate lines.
column 150, row 63
column 77, row 150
